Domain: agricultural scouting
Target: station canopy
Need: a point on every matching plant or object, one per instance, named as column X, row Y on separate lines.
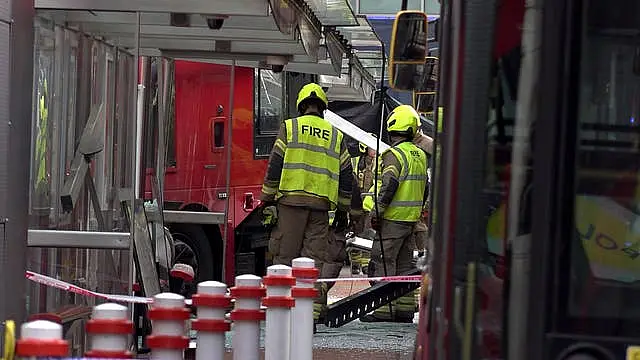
column 361, row 72
column 259, row 31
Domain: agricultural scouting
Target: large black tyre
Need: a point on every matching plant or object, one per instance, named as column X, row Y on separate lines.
column 192, row 247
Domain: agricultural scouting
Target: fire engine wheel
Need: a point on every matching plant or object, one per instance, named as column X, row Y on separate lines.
column 192, row 247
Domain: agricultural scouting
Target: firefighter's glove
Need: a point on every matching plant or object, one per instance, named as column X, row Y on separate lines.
column 269, row 215
column 340, row 221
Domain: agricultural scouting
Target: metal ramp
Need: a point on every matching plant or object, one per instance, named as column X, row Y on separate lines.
column 359, row 304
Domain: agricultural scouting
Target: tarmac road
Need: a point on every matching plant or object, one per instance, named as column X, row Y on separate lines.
column 358, row 340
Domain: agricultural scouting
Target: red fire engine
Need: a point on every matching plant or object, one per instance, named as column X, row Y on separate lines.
column 195, row 183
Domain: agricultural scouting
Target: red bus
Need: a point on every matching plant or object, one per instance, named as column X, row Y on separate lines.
column 536, row 235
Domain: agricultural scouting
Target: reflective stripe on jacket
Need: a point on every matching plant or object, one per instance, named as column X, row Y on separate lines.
column 407, row 201
column 354, row 164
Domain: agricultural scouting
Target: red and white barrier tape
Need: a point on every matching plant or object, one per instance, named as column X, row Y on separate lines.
column 59, row 284
column 399, row 278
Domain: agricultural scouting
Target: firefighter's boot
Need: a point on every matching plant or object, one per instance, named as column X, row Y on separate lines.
column 355, row 258
column 364, row 259
column 320, row 305
column 381, row 314
column 402, row 311
column 405, row 308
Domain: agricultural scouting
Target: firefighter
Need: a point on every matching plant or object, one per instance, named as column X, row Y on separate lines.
column 420, row 233
column 336, row 251
column 309, row 174
column 363, row 171
column 400, row 201
column 336, row 255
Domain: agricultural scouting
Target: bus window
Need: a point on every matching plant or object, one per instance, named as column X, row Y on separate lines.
column 269, row 110
column 604, row 279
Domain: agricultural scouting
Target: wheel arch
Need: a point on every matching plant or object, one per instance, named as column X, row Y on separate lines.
column 214, row 235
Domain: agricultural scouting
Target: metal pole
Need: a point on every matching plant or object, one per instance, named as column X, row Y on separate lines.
column 160, row 152
column 375, row 173
column 443, row 309
column 135, row 146
column 404, row 5
column 225, row 230
column 526, row 113
column 16, row 78
column 140, row 112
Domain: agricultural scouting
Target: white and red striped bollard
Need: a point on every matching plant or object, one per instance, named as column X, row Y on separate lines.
column 211, row 303
column 246, row 317
column 302, row 314
column 277, row 337
column 168, row 315
column 41, row 339
column 110, row 328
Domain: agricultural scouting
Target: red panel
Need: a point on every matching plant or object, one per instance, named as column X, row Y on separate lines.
column 199, row 177
column 509, row 26
column 201, row 90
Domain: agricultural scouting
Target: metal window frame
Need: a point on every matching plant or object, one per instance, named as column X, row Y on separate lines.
column 359, row 12
column 16, row 65
column 78, row 239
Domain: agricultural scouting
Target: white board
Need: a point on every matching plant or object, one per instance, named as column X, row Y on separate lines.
column 366, row 244
column 353, row 131
column 360, row 243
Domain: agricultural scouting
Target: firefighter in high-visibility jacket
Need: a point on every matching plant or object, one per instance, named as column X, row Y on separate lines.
column 309, row 174
column 400, row 201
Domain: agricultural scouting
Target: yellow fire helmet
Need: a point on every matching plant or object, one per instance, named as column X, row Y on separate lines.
column 363, row 147
column 403, row 119
column 311, row 91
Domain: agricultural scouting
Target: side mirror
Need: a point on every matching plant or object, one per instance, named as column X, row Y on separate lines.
column 408, row 50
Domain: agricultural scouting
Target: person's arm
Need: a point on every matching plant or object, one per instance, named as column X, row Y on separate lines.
column 425, row 143
column 427, row 184
column 390, row 174
column 274, row 169
column 345, row 180
column 356, row 195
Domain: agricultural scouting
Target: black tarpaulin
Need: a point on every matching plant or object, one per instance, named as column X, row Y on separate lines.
column 367, row 116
